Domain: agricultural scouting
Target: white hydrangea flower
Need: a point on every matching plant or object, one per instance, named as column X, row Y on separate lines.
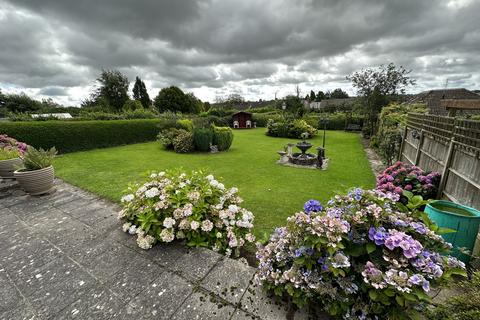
column 250, row 237
column 126, row 226
column 194, row 225
column 167, row 235
column 145, row 242
column 161, row 174
column 184, row 224
column 153, row 175
column 207, row 225
column 210, row 177
column 221, row 186
column 233, row 190
column 127, row 198
column 214, row 183
column 153, row 192
column 132, row 229
column 233, row 208
column 169, row 222
column 218, row 235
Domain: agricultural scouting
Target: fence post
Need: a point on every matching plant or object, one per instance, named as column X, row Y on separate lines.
column 419, row 149
column 448, row 161
column 404, row 137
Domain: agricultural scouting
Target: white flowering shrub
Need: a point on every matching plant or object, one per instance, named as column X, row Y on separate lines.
column 364, row 256
column 193, row 207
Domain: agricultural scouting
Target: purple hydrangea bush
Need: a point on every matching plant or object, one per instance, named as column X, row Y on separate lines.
column 10, row 144
column 192, row 207
column 363, row 256
column 400, row 177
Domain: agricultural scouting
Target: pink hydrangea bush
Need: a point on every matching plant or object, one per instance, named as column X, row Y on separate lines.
column 8, row 143
column 192, row 207
column 364, row 256
column 401, row 176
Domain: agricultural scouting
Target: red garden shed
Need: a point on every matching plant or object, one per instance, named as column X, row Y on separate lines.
column 242, row 120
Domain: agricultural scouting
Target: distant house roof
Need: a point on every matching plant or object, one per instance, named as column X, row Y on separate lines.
column 432, row 98
column 52, row 115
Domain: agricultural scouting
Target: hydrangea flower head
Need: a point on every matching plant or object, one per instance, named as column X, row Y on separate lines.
column 312, row 206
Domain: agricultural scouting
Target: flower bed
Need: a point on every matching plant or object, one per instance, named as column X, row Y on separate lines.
column 364, row 256
column 401, row 177
column 193, row 207
column 9, row 144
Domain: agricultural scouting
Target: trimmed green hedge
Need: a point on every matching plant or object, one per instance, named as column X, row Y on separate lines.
column 70, row 136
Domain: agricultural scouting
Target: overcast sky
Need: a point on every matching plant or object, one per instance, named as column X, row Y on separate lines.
column 56, row 48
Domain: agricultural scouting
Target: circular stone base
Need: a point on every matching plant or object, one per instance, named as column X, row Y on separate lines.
column 284, row 161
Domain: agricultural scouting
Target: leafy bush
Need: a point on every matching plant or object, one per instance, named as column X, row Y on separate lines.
column 222, row 138
column 388, row 138
column 185, row 124
column 132, row 105
column 261, row 119
column 401, row 177
column 193, row 207
column 35, row 159
column 167, row 136
column 183, row 142
column 7, row 154
column 203, row 138
column 290, row 129
column 365, row 256
column 70, row 136
column 463, row 306
column 221, row 112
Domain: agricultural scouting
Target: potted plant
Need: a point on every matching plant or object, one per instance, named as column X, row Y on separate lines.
column 37, row 175
column 10, row 152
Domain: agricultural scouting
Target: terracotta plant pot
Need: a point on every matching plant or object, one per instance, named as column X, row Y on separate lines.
column 7, row 167
column 36, row 182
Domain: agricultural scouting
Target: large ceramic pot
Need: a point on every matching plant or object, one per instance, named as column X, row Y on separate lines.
column 7, row 167
column 36, row 182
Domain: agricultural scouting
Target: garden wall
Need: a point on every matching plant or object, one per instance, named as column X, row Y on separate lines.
column 447, row 145
column 70, row 136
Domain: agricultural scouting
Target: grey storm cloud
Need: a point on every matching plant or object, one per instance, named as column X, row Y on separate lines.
column 253, row 47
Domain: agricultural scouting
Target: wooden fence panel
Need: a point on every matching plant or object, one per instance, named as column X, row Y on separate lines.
column 449, row 146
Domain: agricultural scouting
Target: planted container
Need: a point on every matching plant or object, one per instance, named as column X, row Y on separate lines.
column 36, row 182
column 464, row 220
column 7, row 167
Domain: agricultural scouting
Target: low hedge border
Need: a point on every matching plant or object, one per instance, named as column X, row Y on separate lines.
column 71, row 136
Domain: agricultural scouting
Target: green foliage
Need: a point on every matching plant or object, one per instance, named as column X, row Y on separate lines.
column 465, row 305
column 221, row 112
column 132, row 105
column 19, row 103
column 175, row 100
column 70, row 136
column 183, row 142
column 7, row 154
column 222, row 138
column 113, row 89
column 202, row 138
column 293, row 105
column 338, row 94
column 167, row 136
column 185, row 124
column 140, row 93
column 290, row 129
column 261, row 119
column 376, row 86
column 35, row 159
column 389, row 134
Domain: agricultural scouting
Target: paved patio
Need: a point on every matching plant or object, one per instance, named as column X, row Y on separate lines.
column 63, row 256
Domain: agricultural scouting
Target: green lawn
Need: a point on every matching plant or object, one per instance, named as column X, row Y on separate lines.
column 272, row 192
